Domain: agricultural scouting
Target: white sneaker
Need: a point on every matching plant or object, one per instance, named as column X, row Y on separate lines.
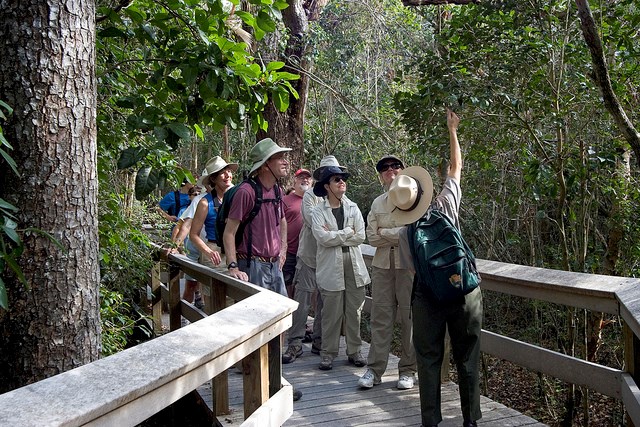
column 406, row 382
column 368, row 380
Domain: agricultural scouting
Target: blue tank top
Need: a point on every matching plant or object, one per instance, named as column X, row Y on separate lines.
column 210, row 220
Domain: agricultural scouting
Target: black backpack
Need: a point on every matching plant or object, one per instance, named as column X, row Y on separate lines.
column 443, row 261
column 223, row 212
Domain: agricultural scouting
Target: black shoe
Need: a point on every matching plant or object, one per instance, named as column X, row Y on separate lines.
column 297, row 394
column 314, row 349
column 307, row 338
column 469, row 423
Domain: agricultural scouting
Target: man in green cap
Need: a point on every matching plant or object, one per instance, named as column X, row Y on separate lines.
column 261, row 253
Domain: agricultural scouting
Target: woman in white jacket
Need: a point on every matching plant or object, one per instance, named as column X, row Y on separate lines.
column 341, row 274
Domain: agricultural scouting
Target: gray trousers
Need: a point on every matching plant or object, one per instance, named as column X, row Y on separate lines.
column 464, row 321
column 305, row 287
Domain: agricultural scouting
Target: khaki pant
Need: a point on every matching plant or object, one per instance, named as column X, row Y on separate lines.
column 391, row 295
column 205, row 260
column 338, row 306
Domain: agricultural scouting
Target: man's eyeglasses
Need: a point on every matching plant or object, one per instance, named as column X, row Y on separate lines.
column 337, row 179
column 387, row 166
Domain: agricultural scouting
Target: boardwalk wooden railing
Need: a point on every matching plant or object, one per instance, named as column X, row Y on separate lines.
column 609, row 294
column 130, row 386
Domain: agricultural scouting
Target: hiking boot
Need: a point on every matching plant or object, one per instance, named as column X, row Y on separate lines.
column 368, row 380
column 469, row 423
column 357, row 359
column 297, row 394
column 405, row 382
column 198, row 302
column 292, row 353
column 315, row 349
column 326, row 363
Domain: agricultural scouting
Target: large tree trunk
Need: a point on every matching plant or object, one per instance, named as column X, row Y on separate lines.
column 287, row 128
column 47, row 74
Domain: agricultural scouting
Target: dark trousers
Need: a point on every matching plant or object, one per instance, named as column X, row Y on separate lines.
column 464, row 321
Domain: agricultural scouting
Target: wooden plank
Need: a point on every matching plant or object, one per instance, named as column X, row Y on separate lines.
column 276, row 411
column 256, row 379
column 156, row 310
column 124, row 389
column 596, row 377
column 631, row 398
column 174, row 298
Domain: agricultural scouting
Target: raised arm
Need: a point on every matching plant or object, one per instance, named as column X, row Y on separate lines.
column 455, row 161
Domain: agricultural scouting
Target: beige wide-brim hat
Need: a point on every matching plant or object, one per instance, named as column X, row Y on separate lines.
column 325, row 163
column 214, row 165
column 261, row 152
column 410, row 195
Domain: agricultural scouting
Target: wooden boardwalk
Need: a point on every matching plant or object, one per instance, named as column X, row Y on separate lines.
column 333, row 398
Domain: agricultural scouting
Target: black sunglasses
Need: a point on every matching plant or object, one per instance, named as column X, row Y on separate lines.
column 338, row 179
column 387, row 166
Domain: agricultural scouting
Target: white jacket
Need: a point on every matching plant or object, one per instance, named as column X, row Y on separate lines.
column 329, row 265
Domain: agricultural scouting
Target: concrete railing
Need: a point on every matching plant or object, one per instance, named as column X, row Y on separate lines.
column 130, row 386
column 609, row 294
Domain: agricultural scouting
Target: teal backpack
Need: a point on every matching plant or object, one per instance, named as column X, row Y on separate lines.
column 443, row 261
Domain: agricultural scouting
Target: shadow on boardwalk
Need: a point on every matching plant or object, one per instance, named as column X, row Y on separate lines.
column 333, row 398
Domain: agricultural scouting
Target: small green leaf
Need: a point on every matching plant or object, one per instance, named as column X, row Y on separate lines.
column 199, row 132
column 4, row 300
column 274, row 65
column 265, row 22
column 131, row 156
column 180, row 130
column 146, row 182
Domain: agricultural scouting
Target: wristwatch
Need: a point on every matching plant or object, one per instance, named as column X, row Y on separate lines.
column 232, row 265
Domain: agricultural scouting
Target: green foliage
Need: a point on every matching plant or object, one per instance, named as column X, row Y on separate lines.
column 10, row 242
column 168, row 70
column 117, row 324
column 519, row 75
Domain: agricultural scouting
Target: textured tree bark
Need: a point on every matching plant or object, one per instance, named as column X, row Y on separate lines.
column 287, row 128
column 602, row 78
column 47, row 74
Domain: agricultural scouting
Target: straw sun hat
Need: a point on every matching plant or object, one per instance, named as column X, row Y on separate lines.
column 410, row 195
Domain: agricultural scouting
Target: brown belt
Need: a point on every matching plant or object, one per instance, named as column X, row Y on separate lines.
column 259, row 258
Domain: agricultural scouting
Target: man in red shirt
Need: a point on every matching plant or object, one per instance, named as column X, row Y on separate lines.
column 293, row 214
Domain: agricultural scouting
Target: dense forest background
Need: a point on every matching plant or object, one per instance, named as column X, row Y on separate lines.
column 549, row 179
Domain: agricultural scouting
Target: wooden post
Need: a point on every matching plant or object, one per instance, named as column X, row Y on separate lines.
column 174, row 297
column 156, row 308
column 631, row 359
column 255, row 379
column 275, row 365
column 216, row 299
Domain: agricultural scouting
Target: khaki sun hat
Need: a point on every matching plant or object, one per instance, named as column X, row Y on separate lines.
column 410, row 195
column 214, row 165
column 262, row 151
column 324, row 163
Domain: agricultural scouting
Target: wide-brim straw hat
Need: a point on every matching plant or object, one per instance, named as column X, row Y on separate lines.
column 215, row 165
column 262, row 151
column 325, row 163
column 327, row 173
column 410, row 195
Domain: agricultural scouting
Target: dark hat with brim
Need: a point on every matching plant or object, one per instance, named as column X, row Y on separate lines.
column 327, row 173
column 388, row 159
